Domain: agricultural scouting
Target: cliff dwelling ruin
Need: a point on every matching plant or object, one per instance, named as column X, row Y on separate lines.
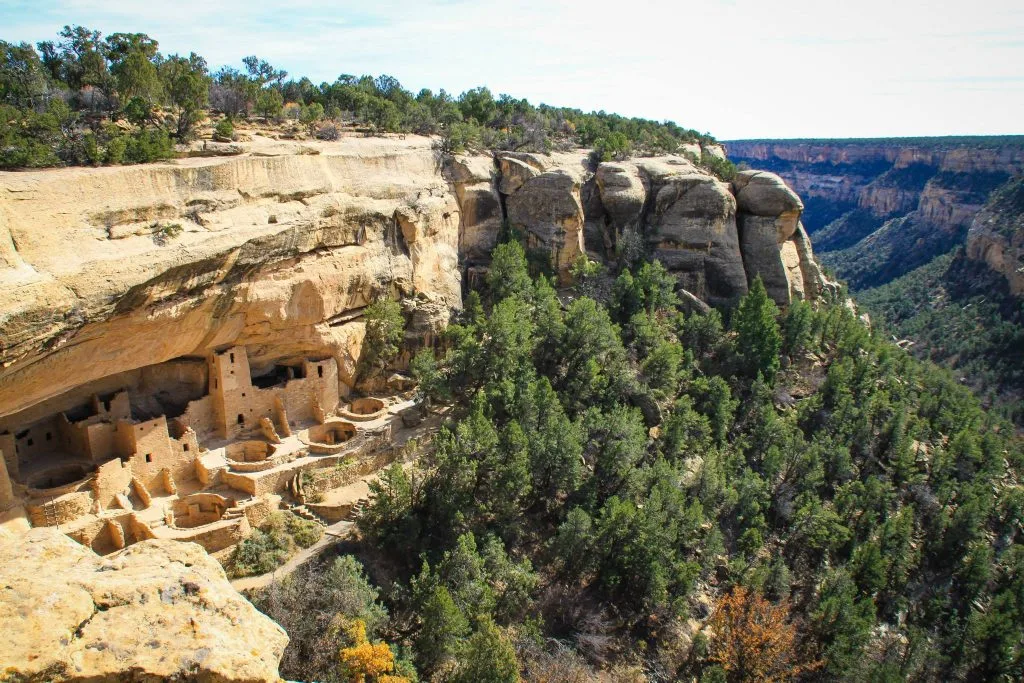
column 197, row 450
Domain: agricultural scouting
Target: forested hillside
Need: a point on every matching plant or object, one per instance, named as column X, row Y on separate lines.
column 926, row 232
column 628, row 489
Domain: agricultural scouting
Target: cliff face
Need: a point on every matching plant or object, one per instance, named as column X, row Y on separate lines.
column 148, row 277
column 104, row 271
column 276, row 253
column 879, row 208
column 997, row 235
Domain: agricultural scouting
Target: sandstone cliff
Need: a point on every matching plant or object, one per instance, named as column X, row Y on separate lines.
column 278, row 249
column 159, row 610
column 997, row 235
column 880, row 208
column 890, row 176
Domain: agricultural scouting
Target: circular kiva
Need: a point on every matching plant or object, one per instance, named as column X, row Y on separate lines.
column 328, row 438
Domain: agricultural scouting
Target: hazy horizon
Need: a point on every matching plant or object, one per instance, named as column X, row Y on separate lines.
column 737, row 69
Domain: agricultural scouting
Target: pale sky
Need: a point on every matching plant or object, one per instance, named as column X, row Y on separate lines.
column 734, row 68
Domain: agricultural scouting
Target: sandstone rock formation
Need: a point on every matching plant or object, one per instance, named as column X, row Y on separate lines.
column 278, row 254
column 997, row 235
column 715, row 237
column 769, row 219
column 109, row 271
column 159, row 610
column 885, row 207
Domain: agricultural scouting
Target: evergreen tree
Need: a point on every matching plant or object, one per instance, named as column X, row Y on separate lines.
column 758, row 337
column 488, row 657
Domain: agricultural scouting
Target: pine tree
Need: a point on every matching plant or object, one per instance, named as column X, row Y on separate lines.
column 759, row 339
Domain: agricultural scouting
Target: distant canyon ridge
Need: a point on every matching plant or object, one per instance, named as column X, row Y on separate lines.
column 879, row 208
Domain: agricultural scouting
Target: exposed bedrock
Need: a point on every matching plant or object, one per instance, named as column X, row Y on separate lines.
column 997, row 235
column 944, row 181
column 158, row 610
column 120, row 268
column 105, row 271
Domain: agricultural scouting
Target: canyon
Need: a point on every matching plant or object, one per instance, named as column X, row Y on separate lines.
column 879, row 208
column 180, row 342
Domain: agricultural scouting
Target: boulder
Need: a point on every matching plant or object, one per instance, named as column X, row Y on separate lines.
column 765, row 194
column 548, row 210
column 159, row 610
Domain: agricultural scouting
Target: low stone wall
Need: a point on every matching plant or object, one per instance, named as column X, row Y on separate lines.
column 218, row 535
column 334, row 478
column 331, row 513
column 60, row 510
column 97, row 533
column 258, row 511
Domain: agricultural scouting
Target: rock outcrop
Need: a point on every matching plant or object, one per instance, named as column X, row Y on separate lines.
column 159, row 610
column 120, row 268
column 885, row 207
column 106, row 271
column 997, row 235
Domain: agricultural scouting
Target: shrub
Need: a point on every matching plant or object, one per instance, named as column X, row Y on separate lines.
column 262, row 552
column 269, row 548
column 305, row 532
column 614, row 146
column 723, row 169
column 224, row 131
column 328, row 131
column 116, row 149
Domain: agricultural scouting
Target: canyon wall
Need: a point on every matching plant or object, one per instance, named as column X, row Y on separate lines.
column 996, row 236
column 106, row 271
column 879, row 208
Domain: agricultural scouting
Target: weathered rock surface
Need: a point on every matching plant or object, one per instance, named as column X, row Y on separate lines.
column 691, row 228
column 475, row 182
column 623, row 191
column 768, row 218
column 107, row 271
column 997, row 235
column 276, row 253
column 158, row 610
column 547, row 208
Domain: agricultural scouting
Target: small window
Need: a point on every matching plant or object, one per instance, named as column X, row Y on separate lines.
column 243, row 394
column 49, row 436
column 320, row 370
column 215, row 383
column 185, row 447
column 241, row 419
column 149, row 457
column 31, row 442
column 232, row 358
column 232, row 372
